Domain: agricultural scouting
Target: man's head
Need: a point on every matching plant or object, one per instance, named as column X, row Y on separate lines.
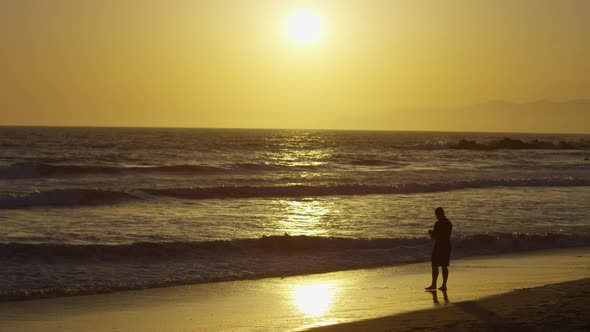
column 440, row 213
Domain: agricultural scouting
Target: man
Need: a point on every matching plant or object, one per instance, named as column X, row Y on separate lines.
column 441, row 252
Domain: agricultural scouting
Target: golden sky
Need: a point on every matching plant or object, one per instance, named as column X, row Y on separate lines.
column 232, row 63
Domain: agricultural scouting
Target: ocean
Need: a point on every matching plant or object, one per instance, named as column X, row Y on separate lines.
column 94, row 210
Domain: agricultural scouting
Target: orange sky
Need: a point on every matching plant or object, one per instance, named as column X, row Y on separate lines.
column 225, row 63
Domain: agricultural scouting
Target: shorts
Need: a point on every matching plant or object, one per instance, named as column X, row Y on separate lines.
column 441, row 255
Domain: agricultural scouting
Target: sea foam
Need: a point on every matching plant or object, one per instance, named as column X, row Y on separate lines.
column 59, row 269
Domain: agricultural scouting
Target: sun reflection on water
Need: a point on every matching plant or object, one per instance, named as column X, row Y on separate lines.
column 305, row 216
column 314, row 300
column 298, row 158
column 309, row 211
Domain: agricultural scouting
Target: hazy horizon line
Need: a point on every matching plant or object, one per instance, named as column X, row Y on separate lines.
column 293, row 129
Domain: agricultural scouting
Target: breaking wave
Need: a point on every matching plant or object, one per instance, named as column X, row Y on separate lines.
column 65, row 197
column 37, row 170
column 84, row 197
column 56, row 269
column 279, row 244
column 350, row 190
column 33, row 170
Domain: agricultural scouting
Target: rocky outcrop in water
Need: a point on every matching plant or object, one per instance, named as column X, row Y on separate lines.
column 516, row 144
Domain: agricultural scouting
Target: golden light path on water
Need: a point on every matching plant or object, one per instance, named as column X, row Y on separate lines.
column 302, row 216
column 305, row 216
column 297, row 158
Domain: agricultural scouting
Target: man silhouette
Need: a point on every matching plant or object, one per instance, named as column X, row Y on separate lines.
column 441, row 251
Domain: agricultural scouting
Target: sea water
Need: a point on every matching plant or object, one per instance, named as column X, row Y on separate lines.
column 87, row 210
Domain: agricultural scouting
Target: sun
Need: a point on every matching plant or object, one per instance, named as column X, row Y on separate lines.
column 305, row 26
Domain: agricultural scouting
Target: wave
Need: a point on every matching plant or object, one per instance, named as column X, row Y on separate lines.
column 350, row 190
column 376, row 162
column 84, row 197
column 35, row 170
column 165, row 250
column 61, row 269
column 281, row 244
column 254, row 167
column 65, row 197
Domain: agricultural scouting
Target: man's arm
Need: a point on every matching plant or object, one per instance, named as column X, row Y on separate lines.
column 433, row 232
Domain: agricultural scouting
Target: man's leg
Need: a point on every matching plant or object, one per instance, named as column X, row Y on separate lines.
column 434, row 277
column 445, row 273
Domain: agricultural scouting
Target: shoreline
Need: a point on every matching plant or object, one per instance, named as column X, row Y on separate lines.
column 292, row 303
column 388, row 255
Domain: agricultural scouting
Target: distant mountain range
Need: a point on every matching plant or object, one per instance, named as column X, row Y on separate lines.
column 571, row 116
column 541, row 116
column 538, row 105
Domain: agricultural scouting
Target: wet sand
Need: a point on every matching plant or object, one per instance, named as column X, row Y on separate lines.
column 304, row 302
column 554, row 307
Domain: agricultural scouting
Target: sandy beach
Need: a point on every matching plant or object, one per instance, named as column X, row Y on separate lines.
column 554, row 307
column 306, row 302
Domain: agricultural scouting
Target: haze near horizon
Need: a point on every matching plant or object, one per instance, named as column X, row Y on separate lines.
column 393, row 65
